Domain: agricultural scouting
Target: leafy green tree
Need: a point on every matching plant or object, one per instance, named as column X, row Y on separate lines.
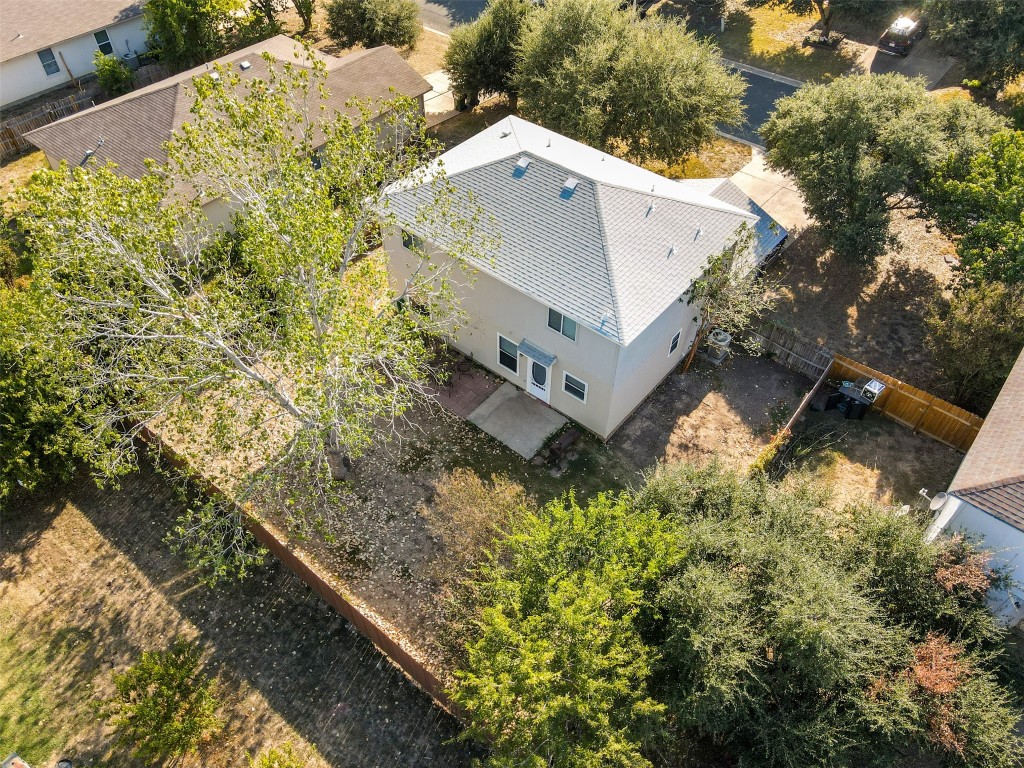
column 164, row 705
column 307, row 12
column 984, row 206
column 481, row 56
column 746, row 621
column 865, row 145
column 269, row 9
column 976, row 339
column 729, row 294
column 115, row 77
column 556, row 672
column 187, row 33
column 43, row 405
column 282, row 339
column 987, row 36
column 588, row 70
column 374, row 22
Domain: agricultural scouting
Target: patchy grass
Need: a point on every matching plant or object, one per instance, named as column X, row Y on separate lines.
column 16, row 173
column 456, row 130
column 428, row 55
column 722, row 158
column 771, row 39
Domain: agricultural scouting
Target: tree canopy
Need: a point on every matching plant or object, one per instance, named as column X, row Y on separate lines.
column 187, row 33
column 373, row 22
column 982, row 204
column 590, row 71
column 481, row 56
column 279, row 335
column 988, row 37
column 864, row 145
column 708, row 613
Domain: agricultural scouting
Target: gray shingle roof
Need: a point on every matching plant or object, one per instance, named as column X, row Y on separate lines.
column 768, row 233
column 613, row 255
column 31, row 25
column 991, row 476
column 135, row 127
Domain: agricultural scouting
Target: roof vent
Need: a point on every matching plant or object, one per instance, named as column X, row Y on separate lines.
column 699, row 232
column 521, row 166
column 549, row 141
column 215, row 75
column 569, row 187
column 672, row 250
column 506, row 134
column 650, row 209
column 244, row 65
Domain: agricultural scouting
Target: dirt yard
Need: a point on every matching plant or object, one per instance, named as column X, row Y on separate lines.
column 86, row 584
column 872, row 314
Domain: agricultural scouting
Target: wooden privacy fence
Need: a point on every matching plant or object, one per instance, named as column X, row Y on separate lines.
column 369, row 628
column 900, row 401
column 12, row 132
column 914, row 407
column 786, row 347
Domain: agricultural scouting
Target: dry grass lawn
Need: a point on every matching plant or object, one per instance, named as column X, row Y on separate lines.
column 16, row 173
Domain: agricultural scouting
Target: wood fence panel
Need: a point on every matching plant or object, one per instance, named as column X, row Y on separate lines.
column 916, row 408
column 790, row 350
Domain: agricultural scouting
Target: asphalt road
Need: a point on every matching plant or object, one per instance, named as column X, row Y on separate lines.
column 442, row 15
column 759, row 100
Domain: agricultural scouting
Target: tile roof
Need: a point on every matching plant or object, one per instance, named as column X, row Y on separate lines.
column 31, row 25
column 612, row 255
column 991, row 476
column 135, row 127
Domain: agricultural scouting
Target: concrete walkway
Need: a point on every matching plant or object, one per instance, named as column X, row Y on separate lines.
column 519, row 421
column 773, row 191
column 438, row 102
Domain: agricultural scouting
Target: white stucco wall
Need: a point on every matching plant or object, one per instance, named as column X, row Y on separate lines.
column 492, row 307
column 1005, row 542
column 24, row 77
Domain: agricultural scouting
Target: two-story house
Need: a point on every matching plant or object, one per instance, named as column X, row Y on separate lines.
column 583, row 302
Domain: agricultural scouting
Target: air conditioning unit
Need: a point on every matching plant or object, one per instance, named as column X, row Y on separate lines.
column 718, row 342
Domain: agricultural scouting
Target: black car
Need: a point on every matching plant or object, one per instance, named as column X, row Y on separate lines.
column 901, row 36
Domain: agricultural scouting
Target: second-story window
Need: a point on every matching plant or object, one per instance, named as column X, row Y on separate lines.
column 411, row 241
column 564, row 325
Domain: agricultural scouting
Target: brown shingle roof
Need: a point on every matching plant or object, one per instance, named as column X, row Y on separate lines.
column 991, row 476
column 135, row 127
column 31, row 25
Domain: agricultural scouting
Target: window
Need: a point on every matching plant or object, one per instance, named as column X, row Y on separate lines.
column 50, row 65
column 559, row 322
column 103, row 41
column 575, row 387
column 508, row 354
column 675, row 342
column 411, row 241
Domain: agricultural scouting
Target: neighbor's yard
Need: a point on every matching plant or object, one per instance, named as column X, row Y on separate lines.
column 87, row 583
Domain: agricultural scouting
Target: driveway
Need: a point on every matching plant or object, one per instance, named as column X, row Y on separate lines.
column 925, row 60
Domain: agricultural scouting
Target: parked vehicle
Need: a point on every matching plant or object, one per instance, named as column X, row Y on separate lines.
column 900, row 37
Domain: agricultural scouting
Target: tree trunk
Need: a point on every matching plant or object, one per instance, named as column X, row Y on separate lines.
column 825, row 16
column 513, row 101
column 339, row 464
column 702, row 333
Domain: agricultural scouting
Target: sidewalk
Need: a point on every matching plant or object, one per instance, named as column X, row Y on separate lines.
column 775, row 192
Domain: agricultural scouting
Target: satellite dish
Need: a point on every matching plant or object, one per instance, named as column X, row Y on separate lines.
column 938, row 501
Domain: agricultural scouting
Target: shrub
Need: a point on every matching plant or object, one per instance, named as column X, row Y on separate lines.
column 373, row 22
column 9, row 264
column 164, row 705
column 114, row 75
column 284, row 756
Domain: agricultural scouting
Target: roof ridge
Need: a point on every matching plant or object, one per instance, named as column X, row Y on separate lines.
column 613, row 287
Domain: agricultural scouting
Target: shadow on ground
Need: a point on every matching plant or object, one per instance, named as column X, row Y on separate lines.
column 269, row 637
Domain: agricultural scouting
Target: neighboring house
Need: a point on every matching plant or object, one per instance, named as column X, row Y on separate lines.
column 135, row 127
column 986, row 498
column 583, row 302
column 46, row 44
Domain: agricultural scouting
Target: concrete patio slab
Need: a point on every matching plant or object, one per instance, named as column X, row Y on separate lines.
column 518, row 420
column 438, row 103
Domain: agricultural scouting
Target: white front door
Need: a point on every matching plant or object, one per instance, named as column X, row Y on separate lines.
column 538, row 380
